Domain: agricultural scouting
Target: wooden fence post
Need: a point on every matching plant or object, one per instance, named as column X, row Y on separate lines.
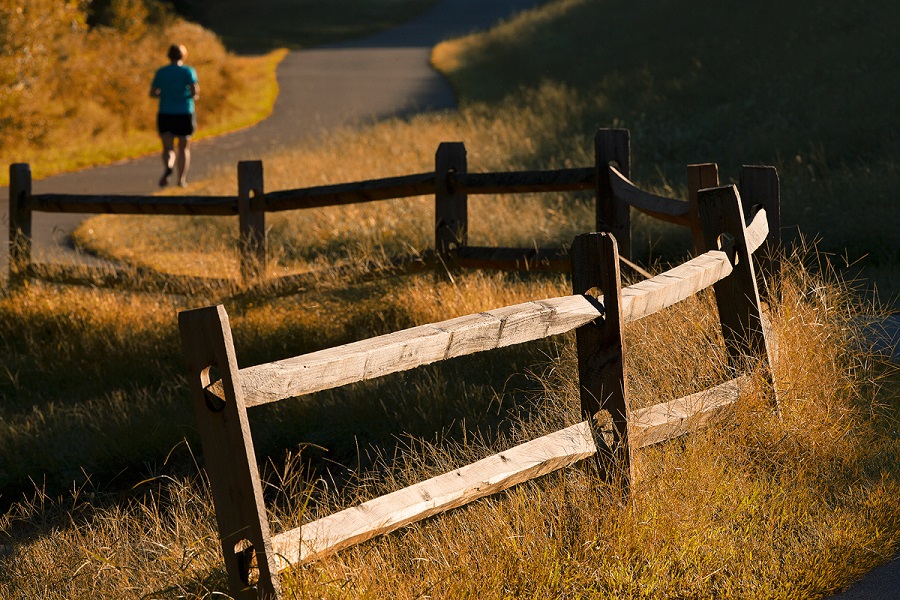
column 613, row 146
column 451, row 219
column 228, row 454
column 19, row 220
column 252, row 220
column 600, row 346
column 700, row 176
column 759, row 186
column 737, row 296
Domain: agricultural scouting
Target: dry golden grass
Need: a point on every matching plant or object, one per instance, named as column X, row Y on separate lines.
column 788, row 504
column 529, row 135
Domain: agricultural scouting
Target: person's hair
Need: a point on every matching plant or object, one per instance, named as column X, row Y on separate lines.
column 177, row 52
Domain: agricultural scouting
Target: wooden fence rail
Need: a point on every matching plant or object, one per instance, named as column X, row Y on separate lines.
column 221, row 401
column 450, row 183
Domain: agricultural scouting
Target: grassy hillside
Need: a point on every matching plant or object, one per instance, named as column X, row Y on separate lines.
column 805, row 86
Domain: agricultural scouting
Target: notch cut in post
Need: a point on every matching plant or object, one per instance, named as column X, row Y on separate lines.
column 737, row 296
column 600, row 347
column 613, row 146
column 252, row 220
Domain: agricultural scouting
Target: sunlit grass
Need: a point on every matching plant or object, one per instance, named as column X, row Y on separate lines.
column 530, row 134
column 789, row 504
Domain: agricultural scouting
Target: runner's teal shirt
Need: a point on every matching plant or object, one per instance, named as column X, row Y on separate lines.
column 173, row 82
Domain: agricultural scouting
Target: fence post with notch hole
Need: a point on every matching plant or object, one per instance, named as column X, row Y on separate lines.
column 228, row 454
column 613, row 146
column 600, row 348
column 737, row 296
column 252, row 220
column 451, row 218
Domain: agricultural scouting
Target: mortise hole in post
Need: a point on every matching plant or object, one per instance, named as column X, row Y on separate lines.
column 725, row 242
column 593, row 295
column 209, row 377
column 248, row 567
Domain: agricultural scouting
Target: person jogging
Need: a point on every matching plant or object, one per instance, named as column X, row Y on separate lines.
column 177, row 87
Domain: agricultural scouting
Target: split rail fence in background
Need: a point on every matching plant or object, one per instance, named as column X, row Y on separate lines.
column 450, row 183
column 221, row 405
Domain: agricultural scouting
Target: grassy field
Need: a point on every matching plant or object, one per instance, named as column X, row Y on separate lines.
column 806, row 87
column 100, row 480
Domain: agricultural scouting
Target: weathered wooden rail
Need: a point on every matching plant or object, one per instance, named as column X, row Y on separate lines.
column 221, row 404
column 450, row 184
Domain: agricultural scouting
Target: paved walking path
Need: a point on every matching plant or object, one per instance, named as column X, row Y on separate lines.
column 322, row 88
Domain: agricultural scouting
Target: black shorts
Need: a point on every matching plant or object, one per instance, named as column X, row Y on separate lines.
column 177, row 125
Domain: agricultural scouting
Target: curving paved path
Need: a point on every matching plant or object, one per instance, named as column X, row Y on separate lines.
column 382, row 75
column 321, row 88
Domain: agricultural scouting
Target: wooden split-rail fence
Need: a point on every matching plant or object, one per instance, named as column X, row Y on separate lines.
column 222, row 392
column 450, row 183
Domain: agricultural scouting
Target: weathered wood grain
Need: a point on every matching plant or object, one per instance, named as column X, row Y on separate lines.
column 251, row 220
column 494, row 474
column 613, row 147
column 403, row 350
column 737, row 297
column 669, row 420
column 451, row 205
column 228, row 453
column 601, row 348
column 699, row 177
column 757, row 231
column 665, row 209
column 652, row 295
column 439, row 494
column 426, row 344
